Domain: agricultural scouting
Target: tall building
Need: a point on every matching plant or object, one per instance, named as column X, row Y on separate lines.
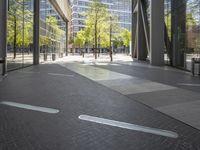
column 121, row 8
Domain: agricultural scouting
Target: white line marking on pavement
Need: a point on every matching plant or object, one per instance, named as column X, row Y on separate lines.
column 30, row 107
column 55, row 74
column 129, row 126
column 189, row 84
column 29, row 72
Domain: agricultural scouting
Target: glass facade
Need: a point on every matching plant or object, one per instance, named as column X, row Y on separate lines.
column 182, row 34
column 52, row 34
column 46, row 10
column 20, row 34
column 121, row 8
column 182, row 19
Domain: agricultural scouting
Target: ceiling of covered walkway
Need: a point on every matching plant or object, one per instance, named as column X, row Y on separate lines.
column 62, row 7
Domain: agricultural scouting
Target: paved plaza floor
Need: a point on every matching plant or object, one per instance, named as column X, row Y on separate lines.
column 80, row 103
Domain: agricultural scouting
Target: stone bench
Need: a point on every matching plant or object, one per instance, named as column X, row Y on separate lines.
column 195, row 61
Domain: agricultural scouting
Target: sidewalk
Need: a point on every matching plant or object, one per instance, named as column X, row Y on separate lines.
column 52, row 107
column 168, row 90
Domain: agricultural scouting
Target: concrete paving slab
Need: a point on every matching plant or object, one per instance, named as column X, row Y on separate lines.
column 94, row 73
column 166, row 97
column 25, row 130
column 188, row 112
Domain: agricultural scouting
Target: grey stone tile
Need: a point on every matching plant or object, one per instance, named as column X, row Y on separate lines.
column 27, row 130
column 96, row 74
column 187, row 112
column 122, row 82
column 165, row 75
column 135, row 85
column 166, row 97
column 146, row 87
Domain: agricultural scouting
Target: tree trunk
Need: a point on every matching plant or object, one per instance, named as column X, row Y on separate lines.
column 99, row 45
column 111, row 57
column 95, row 41
column 15, row 37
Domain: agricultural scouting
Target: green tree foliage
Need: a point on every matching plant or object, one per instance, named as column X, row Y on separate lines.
column 126, row 37
column 80, row 38
column 191, row 22
column 44, row 40
column 53, row 23
column 71, row 40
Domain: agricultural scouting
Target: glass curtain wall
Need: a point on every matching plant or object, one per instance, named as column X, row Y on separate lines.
column 20, row 34
column 168, row 32
column 52, row 35
column 182, row 18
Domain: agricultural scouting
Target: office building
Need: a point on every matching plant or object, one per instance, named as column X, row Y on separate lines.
column 120, row 8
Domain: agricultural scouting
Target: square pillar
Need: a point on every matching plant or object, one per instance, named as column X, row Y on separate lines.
column 36, row 33
column 133, row 28
column 3, row 35
column 141, row 40
column 157, row 32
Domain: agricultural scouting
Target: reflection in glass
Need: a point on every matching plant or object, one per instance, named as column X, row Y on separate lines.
column 20, row 34
column 52, row 34
column 182, row 18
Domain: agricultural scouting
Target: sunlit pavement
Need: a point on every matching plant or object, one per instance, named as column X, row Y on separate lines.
column 80, row 103
column 166, row 89
column 103, row 58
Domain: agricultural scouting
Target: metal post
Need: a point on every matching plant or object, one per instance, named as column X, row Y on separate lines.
column 3, row 34
column 36, row 32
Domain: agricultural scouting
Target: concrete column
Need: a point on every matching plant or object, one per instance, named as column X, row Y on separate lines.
column 179, row 29
column 157, row 32
column 67, row 38
column 36, row 32
column 133, row 27
column 3, row 34
column 141, row 40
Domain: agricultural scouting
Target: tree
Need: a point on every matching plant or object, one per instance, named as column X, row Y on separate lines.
column 101, row 27
column 114, row 29
column 15, row 22
column 126, row 37
column 95, row 16
column 80, row 39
